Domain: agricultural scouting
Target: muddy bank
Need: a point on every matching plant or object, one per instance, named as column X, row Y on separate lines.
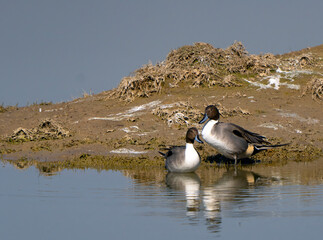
column 145, row 171
column 277, row 96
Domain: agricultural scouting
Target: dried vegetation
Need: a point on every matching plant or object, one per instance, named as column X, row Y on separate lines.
column 298, row 61
column 184, row 114
column 194, row 66
column 2, row 109
column 178, row 114
column 47, row 129
column 8, row 108
column 315, row 87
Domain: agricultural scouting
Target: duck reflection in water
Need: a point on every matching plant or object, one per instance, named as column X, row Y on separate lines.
column 210, row 199
column 226, row 189
column 190, row 184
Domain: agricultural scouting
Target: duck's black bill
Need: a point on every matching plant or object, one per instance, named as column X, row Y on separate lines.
column 204, row 119
column 197, row 138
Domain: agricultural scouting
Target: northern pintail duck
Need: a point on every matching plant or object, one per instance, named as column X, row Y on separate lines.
column 184, row 158
column 231, row 140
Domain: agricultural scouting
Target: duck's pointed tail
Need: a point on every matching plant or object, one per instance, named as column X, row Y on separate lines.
column 259, row 148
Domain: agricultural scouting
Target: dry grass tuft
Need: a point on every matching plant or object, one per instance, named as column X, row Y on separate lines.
column 180, row 114
column 298, row 61
column 237, row 111
column 47, row 129
column 144, row 82
column 198, row 65
column 315, row 87
column 2, row 109
column 184, row 114
column 8, row 108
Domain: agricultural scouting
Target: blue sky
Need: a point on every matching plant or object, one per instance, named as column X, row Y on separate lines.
column 55, row 50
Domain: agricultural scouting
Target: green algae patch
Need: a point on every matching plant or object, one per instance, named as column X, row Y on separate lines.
column 7, row 150
column 209, row 157
column 277, row 156
column 274, row 157
column 296, row 153
column 41, row 147
column 86, row 161
column 110, row 162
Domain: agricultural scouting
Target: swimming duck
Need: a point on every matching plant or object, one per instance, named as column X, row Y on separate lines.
column 184, row 158
column 231, row 140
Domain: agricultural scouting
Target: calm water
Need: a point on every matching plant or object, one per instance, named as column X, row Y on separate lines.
column 251, row 203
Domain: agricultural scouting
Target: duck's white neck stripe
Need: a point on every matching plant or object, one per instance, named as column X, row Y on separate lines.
column 207, row 129
column 214, row 121
column 189, row 145
column 209, row 125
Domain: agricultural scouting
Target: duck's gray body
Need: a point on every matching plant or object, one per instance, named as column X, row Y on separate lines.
column 182, row 159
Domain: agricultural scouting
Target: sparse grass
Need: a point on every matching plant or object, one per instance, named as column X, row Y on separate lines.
column 2, row 109
column 77, row 142
column 41, row 103
column 8, row 108
column 44, row 146
column 85, row 94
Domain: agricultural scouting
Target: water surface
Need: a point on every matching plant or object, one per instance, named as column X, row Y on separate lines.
column 251, row 202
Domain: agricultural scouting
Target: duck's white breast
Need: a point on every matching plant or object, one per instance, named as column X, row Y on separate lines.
column 212, row 139
column 192, row 158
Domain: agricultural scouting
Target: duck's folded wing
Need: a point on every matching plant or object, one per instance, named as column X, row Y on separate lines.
column 173, row 150
column 250, row 137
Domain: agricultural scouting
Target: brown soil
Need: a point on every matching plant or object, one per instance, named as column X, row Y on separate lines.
column 153, row 108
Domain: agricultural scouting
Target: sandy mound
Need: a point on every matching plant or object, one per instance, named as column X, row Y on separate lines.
column 194, row 66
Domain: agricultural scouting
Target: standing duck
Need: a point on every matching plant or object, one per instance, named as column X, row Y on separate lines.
column 231, row 140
